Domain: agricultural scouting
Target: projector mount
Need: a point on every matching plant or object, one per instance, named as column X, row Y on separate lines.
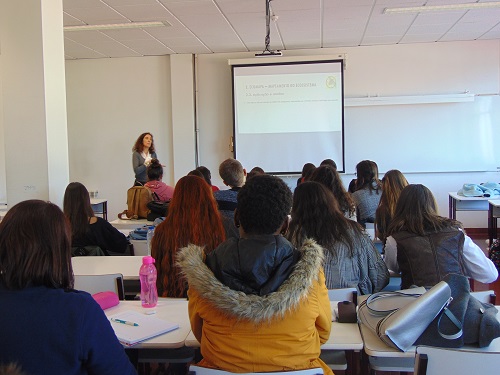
column 267, row 40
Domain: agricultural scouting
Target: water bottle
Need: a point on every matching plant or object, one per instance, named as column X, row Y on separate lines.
column 147, row 275
column 149, row 237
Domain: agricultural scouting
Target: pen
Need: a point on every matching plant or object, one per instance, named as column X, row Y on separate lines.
column 125, row 322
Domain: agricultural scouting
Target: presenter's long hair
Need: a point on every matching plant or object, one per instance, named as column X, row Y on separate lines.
column 77, row 208
column 193, row 218
column 316, row 215
column 330, row 178
column 139, row 146
column 417, row 212
column 35, row 247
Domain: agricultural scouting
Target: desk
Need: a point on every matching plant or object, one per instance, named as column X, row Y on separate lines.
column 128, row 266
column 377, row 350
column 129, row 224
column 100, row 207
column 493, row 215
column 461, row 203
column 171, row 309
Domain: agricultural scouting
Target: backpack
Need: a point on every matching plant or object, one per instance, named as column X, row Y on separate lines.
column 137, row 199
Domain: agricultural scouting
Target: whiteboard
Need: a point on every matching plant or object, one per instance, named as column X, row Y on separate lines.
column 438, row 137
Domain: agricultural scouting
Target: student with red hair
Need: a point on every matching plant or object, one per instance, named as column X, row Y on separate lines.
column 193, row 218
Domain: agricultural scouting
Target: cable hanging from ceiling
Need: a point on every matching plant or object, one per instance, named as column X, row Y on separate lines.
column 267, row 40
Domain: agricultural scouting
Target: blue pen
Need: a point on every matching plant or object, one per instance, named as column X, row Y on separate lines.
column 125, row 322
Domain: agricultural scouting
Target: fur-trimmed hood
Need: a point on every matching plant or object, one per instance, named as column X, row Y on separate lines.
column 253, row 307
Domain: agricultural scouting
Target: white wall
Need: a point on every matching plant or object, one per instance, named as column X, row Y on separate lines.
column 110, row 103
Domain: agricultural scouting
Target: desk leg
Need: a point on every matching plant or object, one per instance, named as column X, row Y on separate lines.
column 105, row 210
column 490, row 224
column 452, row 208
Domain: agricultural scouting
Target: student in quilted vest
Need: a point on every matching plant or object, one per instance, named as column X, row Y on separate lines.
column 425, row 247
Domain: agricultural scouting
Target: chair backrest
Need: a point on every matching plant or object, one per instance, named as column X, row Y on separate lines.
column 485, row 296
column 140, row 247
column 101, row 283
column 197, row 370
column 343, row 294
column 439, row 361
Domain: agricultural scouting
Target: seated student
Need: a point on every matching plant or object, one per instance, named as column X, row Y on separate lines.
column 367, row 191
column 392, row 185
column 257, row 304
column 192, row 217
column 351, row 260
column 207, row 176
column 425, row 247
column 155, row 183
column 255, row 171
column 329, row 162
column 330, row 178
column 307, row 170
column 233, row 175
column 87, row 229
column 47, row 327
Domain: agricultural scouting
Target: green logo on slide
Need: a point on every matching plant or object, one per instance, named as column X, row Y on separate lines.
column 331, row 82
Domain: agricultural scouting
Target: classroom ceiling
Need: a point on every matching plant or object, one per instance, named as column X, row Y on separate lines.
column 212, row 26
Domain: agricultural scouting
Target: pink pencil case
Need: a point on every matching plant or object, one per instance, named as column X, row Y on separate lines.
column 106, row 299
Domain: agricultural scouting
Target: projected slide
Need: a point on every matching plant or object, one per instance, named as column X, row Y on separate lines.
column 288, row 114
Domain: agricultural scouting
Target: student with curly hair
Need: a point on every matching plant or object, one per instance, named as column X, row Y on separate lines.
column 143, row 153
column 425, row 247
column 47, row 326
column 257, row 304
column 330, row 178
column 193, row 218
column 392, row 185
column 351, row 260
column 86, row 228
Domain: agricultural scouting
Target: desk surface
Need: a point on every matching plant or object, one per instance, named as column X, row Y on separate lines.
column 494, row 202
column 454, row 195
column 129, row 224
column 128, row 266
column 171, row 309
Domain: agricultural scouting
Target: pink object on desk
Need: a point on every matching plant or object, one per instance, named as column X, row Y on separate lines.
column 106, row 299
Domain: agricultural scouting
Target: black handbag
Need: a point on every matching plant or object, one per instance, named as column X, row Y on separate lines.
column 157, row 208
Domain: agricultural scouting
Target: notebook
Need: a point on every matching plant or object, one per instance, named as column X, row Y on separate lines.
column 148, row 326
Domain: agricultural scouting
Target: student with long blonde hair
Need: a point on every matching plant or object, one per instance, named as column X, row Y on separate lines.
column 193, row 218
column 393, row 183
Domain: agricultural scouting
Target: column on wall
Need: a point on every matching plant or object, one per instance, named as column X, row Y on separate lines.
column 33, row 100
column 183, row 114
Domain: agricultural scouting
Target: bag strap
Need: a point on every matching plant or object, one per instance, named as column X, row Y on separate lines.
column 381, row 295
column 453, row 319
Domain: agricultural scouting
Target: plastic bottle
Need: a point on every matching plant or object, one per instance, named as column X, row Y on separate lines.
column 149, row 237
column 147, row 275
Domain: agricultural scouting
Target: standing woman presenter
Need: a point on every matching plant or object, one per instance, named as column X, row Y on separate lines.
column 143, row 153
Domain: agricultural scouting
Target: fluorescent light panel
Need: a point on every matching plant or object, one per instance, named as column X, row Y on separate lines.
column 115, row 26
column 448, row 7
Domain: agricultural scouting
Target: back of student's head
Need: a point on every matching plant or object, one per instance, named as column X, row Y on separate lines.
column 330, row 178
column 393, row 183
column 255, row 171
column 232, row 173
column 77, row 207
column 367, row 175
column 264, row 203
column 197, row 173
column 35, row 247
column 316, row 214
column 193, row 218
column 206, row 174
column 417, row 212
column 155, row 170
column 329, row 162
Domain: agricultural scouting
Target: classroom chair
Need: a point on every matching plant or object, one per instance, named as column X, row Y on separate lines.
column 197, row 370
column 438, row 361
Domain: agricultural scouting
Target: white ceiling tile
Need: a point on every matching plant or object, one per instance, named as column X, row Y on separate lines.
column 188, row 8
column 149, row 47
column 153, row 12
column 72, row 4
column 96, row 16
column 248, row 6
